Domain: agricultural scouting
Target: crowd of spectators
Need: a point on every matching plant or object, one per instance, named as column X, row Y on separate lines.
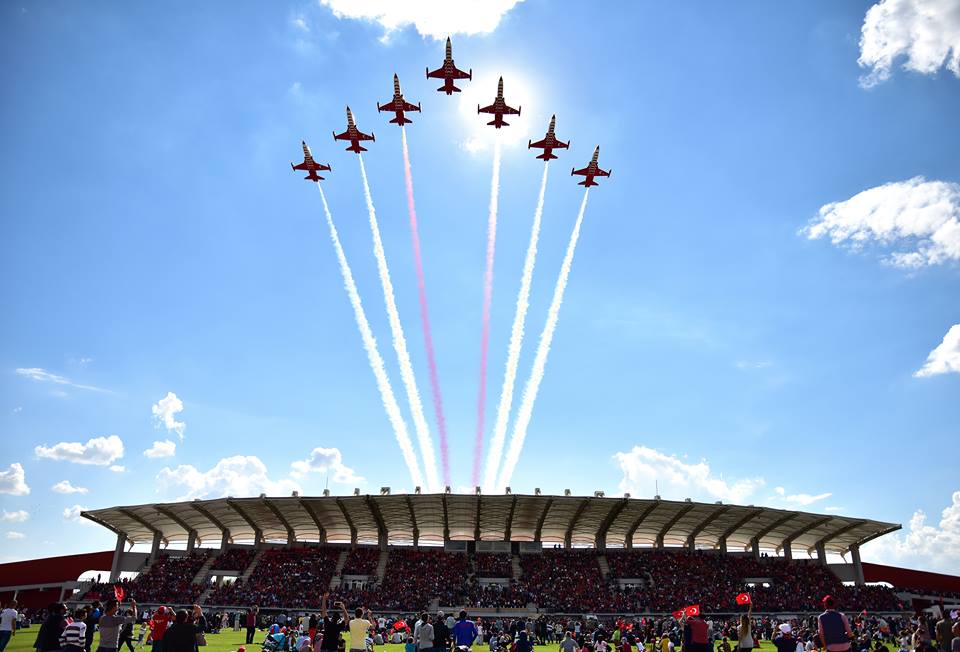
column 493, row 564
column 361, row 561
column 169, row 579
column 284, row 577
column 413, row 577
column 235, row 559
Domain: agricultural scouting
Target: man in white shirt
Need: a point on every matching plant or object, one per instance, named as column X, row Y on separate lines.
column 359, row 627
column 8, row 624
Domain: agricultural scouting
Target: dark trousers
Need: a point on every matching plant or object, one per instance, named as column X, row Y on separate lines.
column 250, row 633
column 126, row 639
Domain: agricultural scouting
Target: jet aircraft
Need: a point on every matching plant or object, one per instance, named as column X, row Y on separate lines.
column 499, row 108
column 592, row 170
column 398, row 105
column 309, row 165
column 354, row 135
column 448, row 72
column 549, row 142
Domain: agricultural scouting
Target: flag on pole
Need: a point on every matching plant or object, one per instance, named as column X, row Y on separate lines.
column 692, row 610
column 118, row 592
column 743, row 598
column 678, row 614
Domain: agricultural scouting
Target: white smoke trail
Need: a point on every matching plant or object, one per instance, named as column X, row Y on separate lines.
column 540, row 360
column 400, row 343
column 516, row 343
column 376, row 362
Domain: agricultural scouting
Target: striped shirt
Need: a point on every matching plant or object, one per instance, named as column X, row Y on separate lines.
column 74, row 635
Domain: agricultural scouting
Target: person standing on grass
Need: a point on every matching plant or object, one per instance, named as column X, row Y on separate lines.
column 74, row 635
column 8, row 624
column 251, row 624
column 48, row 638
column 359, row 626
column 425, row 633
column 333, row 625
column 464, row 631
column 745, row 639
column 833, row 628
column 110, row 624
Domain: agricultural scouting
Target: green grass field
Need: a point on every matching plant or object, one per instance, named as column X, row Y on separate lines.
column 229, row 640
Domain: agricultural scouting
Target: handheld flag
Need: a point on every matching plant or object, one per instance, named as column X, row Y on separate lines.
column 118, row 592
column 743, row 598
column 678, row 614
column 692, row 610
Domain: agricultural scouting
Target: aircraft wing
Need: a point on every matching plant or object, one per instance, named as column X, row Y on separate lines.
column 542, row 144
column 509, row 110
column 410, row 107
column 459, row 74
column 488, row 109
column 363, row 136
column 344, row 136
column 302, row 166
column 436, row 74
column 583, row 171
column 602, row 173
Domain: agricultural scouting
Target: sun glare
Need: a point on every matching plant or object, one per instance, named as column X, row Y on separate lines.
column 518, row 93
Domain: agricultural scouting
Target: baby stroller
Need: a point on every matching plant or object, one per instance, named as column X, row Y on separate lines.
column 275, row 642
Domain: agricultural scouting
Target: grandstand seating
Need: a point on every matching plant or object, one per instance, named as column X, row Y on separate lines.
column 493, row 564
column 282, row 578
column 169, row 579
column 236, row 559
column 361, row 561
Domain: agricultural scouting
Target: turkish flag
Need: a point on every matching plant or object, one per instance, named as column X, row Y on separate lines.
column 118, row 592
column 743, row 598
column 692, row 610
column 678, row 614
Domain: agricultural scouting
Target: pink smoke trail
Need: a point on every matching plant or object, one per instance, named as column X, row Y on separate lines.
column 525, row 412
column 425, row 314
column 487, row 301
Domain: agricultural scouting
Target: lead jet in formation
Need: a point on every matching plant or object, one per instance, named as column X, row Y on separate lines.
column 549, row 142
column 354, row 135
column 499, row 109
column 310, row 166
column 592, row 170
column 398, row 105
column 448, row 72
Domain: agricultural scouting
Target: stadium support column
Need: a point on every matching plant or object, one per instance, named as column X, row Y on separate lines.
column 821, row 554
column 755, row 547
column 723, row 545
column 117, row 556
column 788, row 552
column 224, row 540
column 191, row 541
column 257, row 538
column 857, row 566
column 155, row 548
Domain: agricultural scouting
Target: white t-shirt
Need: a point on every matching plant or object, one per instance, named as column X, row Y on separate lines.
column 7, row 618
column 358, row 633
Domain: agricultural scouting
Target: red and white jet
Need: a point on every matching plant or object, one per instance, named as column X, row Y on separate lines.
column 354, row 135
column 592, row 170
column 310, row 166
column 449, row 72
column 499, row 109
column 398, row 105
column 549, row 142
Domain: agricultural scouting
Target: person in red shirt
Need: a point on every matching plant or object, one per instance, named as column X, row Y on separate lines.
column 625, row 645
column 162, row 618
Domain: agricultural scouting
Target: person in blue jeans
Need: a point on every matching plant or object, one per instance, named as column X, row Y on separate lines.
column 8, row 624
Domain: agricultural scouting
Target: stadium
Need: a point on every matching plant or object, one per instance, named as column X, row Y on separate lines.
column 402, row 553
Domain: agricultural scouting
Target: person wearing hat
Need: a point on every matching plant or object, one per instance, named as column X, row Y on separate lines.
column 784, row 641
column 833, row 627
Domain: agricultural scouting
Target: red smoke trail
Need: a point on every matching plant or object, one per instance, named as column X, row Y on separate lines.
column 487, row 301
column 425, row 315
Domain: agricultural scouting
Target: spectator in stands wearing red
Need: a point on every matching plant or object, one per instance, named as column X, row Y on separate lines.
column 833, row 627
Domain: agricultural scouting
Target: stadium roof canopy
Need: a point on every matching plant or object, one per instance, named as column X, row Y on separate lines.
column 436, row 518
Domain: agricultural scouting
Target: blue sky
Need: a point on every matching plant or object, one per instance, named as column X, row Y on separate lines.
column 749, row 316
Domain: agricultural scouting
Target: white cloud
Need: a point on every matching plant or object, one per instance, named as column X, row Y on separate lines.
column 100, row 451
column 64, row 487
column 300, row 23
column 73, row 513
column 474, row 145
column 435, row 19
column 677, row 479
column 165, row 448
column 925, row 32
column 920, row 218
column 118, row 468
column 18, row 516
column 799, row 499
column 945, row 358
column 240, row 475
column 16, row 535
column 930, row 547
column 17, row 410
column 14, row 481
column 44, row 376
column 165, row 411
column 326, row 460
